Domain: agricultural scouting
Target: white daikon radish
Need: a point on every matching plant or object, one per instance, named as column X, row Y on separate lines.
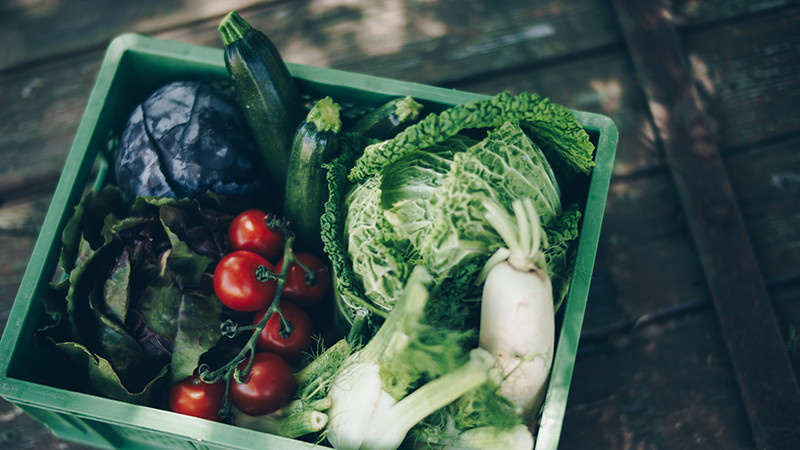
column 517, row 317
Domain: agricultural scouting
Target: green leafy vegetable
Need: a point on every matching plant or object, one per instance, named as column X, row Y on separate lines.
column 136, row 304
column 554, row 125
column 103, row 377
column 426, row 208
column 503, row 167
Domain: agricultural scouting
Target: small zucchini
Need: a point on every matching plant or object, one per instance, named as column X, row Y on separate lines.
column 316, row 142
column 267, row 92
column 385, row 121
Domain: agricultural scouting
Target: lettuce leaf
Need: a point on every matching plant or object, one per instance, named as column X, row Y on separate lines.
column 136, row 304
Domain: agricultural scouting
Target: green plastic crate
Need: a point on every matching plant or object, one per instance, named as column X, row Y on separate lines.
column 133, row 67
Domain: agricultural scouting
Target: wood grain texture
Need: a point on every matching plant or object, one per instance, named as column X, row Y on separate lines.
column 619, row 400
column 747, row 75
column 766, row 380
column 42, row 108
column 766, row 182
column 37, row 32
column 428, row 42
column 699, row 13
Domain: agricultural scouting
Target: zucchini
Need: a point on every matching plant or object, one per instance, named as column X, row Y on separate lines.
column 316, row 142
column 385, row 121
column 269, row 97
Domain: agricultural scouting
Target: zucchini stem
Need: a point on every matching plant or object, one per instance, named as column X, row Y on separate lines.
column 232, row 28
column 325, row 115
column 407, row 109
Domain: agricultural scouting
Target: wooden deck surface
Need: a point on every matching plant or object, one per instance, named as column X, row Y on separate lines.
column 702, row 224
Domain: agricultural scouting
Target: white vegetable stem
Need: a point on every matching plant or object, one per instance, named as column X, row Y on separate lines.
column 517, row 316
column 363, row 413
column 366, row 417
column 293, row 425
column 518, row 437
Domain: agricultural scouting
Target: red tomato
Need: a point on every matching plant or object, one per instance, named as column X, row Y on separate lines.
column 193, row 397
column 306, row 288
column 237, row 285
column 296, row 343
column 270, row 385
column 251, row 231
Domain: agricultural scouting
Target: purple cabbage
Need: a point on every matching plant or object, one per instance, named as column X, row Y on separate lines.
column 185, row 139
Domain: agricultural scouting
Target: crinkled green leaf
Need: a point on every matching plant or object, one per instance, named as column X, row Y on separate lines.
column 187, row 266
column 160, row 301
column 198, row 331
column 91, row 262
column 553, row 125
column 114, row 225
column 116, row 289
column 560, row 251
column 122, row 350
column 503, row 167
column 379, row 256
column 408, row 185
column 150, row 206
column 86, row 222
column 105, row 380
column 348, row 291
column 55, row 323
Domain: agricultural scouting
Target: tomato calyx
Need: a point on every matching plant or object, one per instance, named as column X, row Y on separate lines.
column 277, row 224
column 311, row 277
column 263, row 274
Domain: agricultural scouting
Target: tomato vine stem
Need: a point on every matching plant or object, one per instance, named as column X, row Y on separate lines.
column 231, row 369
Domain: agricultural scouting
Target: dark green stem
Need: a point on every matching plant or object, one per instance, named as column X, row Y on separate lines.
column 232, row 28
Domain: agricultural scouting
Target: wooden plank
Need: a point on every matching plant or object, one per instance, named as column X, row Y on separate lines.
column 766, row 380
column 396, row 36
column 766, row 181
column 35, row 32
column 645, row 249
column 693, row 13
column 746, row 71
column 666, row 385
column 24, row 217
column 42, row 107
column 427, row 42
